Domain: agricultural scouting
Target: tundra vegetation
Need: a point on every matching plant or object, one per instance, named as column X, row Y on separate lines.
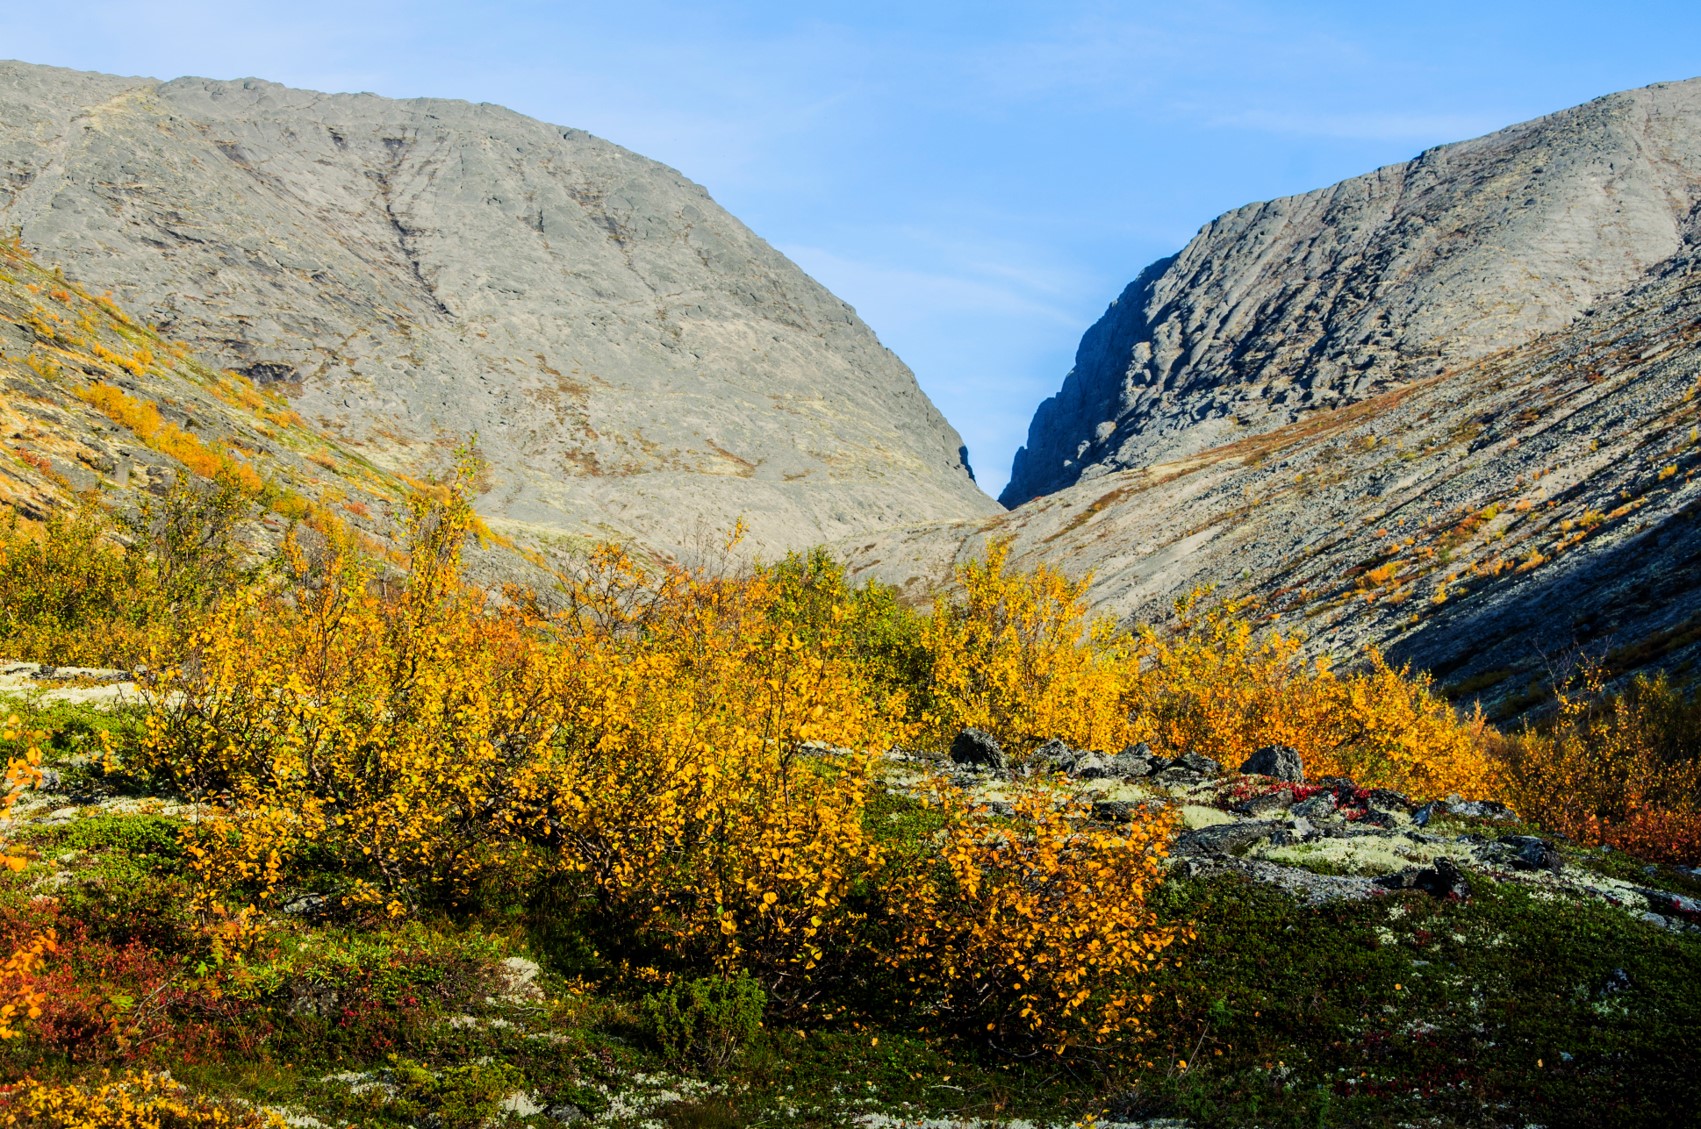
column 381, row 847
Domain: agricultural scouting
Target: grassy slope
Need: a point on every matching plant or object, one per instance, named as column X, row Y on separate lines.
column 1499, row 1010
column 58, row 343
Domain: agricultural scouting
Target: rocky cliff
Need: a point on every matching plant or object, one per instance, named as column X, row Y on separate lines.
column 1308, row 303
column 634, row 361
column 1492, row 524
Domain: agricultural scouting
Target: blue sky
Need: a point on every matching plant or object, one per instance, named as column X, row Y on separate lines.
column 979, row 180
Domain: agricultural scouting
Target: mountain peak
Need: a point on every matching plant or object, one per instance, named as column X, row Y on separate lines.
column 1308, row 302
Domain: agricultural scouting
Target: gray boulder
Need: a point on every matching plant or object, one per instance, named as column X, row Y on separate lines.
column 1532, row 853
column 1224, row 838
column 1135, row 761
column 1198, row 762
column 1123, row 811
column 1279, row 761
column 1481, row 809
column 1320, row 806
column 1443, row 880
column 979, row 750
column 1091, row 766
column 1674, row 905
column 1270, row 803
column 1056, row 755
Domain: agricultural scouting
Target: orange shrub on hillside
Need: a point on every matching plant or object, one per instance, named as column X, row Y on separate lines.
column 1617, row 769
column 1211, row 684
column 1032, row 929
column 143, row 418
column 20, row 1001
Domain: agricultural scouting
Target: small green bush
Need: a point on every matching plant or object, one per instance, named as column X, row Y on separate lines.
column 705, row 1021
column 452, row 1097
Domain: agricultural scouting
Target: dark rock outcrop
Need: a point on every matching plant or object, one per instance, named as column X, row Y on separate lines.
column 978, row 749
column 1278, row 761
column 1443, row 880
column 1224, row 838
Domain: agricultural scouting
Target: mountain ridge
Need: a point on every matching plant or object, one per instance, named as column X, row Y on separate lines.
column 1494, row 522
column 636, row 362
column 1287, row 306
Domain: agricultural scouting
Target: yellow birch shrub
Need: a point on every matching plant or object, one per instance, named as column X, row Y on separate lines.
column 1209, row 683
column 683, row 787
column 69, row 595
column 89, row 589
column 1032, row 929
column 388, row 733
column 651, row 744
column 1014, row 653
column 19, row 1001
column 1623, row 769
column 1212, row 684
column 1391, row 730
column 134, row 1101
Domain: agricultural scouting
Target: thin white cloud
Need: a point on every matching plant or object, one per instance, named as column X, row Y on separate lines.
column 909, row 294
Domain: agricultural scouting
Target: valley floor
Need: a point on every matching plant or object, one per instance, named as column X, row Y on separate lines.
column 1541, row 990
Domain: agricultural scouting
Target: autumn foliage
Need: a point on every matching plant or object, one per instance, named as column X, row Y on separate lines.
column 1209, row 682
column 20, row 998
column 684, row 755
column 1033, row 928
column 683, row 762
column 136, row 1101
column 1015, row 653
column 142, row 417
column 1620, row 769
column 83, row 589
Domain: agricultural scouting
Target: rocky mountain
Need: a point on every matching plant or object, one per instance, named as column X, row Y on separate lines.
column 95, row 404
column 635, row 362
column 1491, row 522
column 1282, row 309
column 1490, row 525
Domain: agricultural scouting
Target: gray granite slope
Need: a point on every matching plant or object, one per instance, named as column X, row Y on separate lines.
column 1280, row 309
column 634, row 361
column 1492, row 525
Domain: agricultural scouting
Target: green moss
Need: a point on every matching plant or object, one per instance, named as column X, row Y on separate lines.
column 74, row 729
column 1408, row 1009
column 1610, row 863
column 1393, row 1011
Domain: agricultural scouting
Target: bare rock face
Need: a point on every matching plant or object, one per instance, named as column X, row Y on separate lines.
column 1489, row 525
column 1281, row 309
column 634, row 361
